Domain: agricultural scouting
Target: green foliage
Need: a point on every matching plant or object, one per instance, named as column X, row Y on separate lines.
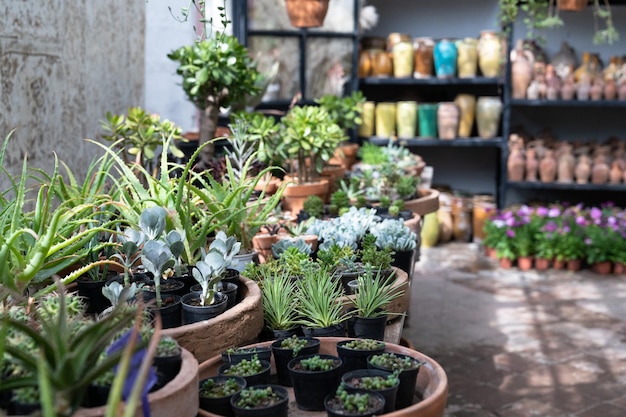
column 298, row 243
column 340, row 199
column 216, row 71
column 212, row 389
column 262, row 131
column 373, row 295
column 314, row 206
column 336, row 255
column 245, row 367
column 279, row 300
column 371, row 154
column 294, row 343
column 168, row 346
column 318, row 295
column 378, row 382
column 394, row 362
column 345, row 111
column 257, row 397
column 379, row 259
column 316, row 363
column 309, row 132
column 356, row 403
column 364, row 344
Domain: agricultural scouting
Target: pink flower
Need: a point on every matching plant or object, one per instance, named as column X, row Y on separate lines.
column 542, row 211
column 595, row 213
column 510, row 233
column 581, row 221
column 554, row 212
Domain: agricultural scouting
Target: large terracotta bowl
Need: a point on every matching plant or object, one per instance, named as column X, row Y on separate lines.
column 432, row 382
column 237, row 326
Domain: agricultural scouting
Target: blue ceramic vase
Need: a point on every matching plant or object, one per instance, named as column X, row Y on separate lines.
column 445, row 57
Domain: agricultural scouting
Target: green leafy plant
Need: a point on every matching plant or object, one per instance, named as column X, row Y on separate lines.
column 282, row 245
column 117, row 293
column 364, row 344
column 371, row 154
column 211, row 270
column 377, row 382
column 379, row 259
column 294, row 343
column 345, row 111
column 318, row 295
column 167, row 346
column 316, row 363
column 373, row 295
column 394, row 362
column 307, row 132
column 356, row 403
column 245, row 367
column 258, row 397
column 314, row 206
column 215, row 389
column 395, row 235
column 339, row 200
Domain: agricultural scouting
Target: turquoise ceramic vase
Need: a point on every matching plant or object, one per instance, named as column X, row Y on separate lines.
column 427, row 116
column 445, row 57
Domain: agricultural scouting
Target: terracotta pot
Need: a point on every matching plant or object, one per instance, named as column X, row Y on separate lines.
column 515, row 164
column 178, row 398
column 558, row 264
column 505, row 263
column 462, row 219
column 521, row 71
column 432, row 382
column 488, row 112
column 602, row 268
column 307, row 13
column 295, row 194
column 428, row 202
column 423, row 49
column 235, row 327
column 333, row 173
column 262, row 243
column 444, row 218
column 542, row 264
column 525, row 263
column 547, row 167
column 467, row 57
column 345, row 155
column 572, row 5
column 619, row 268
column 491, row 253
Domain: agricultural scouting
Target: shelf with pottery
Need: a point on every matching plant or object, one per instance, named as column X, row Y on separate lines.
column 436, row 142
column 537, row 185
column 603, row 104
column 431, row 81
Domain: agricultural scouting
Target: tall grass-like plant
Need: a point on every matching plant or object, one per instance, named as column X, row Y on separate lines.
column 318, row 295
column 280, row 302
column 373, row 295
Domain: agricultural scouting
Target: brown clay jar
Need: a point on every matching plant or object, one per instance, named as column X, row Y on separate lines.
column 566, row 165
column 547, row 167
column 532, row 165
column 423, row 53
column 600, row 171
column 568, row 88
column 615, row 175
column 447, row 120
column 610, row 90
column 521, row 71
column 621, row 91
column 583, row 170
column 515, row 164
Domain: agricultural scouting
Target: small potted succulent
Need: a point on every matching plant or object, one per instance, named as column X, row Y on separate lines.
column 354, row 353
column 216, row 392
column 284, row 350
column 279, row 302
column 314, row 377
column 383, row 382
column 255, row 371
column 395, row 235
column 359, row 403
column 167, row 360
column 408, row 368
column 261, row 401
column 237, row 354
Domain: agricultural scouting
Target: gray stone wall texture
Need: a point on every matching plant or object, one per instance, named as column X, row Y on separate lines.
column 63, row 65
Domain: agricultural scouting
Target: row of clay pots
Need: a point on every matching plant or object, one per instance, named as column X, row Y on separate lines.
column 445, row 120
column 564, row 164
column 402, row 57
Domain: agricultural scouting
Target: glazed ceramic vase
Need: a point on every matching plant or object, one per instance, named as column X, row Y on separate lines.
column 402, row 52
column 467, row 107
column 366, row 128
column 521, row 71
column 423, row 49
column 375, row 62
column 445, row 59
column 490, row 53
column 447, row 120
column 427, row 120
column 406, row 119
column 430, row 230
column 385, row 120
column 488, row 112
column 467, row 57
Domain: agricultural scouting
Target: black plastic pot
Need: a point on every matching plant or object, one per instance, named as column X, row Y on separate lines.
column 351, row 381
column 176, row 287
column 230, row 290
column 170, row 312
column 260, row 378
column 188, row 281
column 23, row 409
column 408, row 380
column 220, row 405
column 311, row 387
column 281, row 334
column 194, row 314
column 367, row 327
column 167, row 367
column 278, row 409
column 405, row 261
column 336, row 330
column 97, row 395
column 91, row 291
column 282, row 356
column 232, row 276
column 263, row 353
column 354, row 359
column 377, row 403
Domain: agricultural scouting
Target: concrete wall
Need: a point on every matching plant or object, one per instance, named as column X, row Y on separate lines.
column 63, row 65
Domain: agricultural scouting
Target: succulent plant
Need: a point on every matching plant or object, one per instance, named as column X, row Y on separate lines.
column 395, row 235
column 281, row 246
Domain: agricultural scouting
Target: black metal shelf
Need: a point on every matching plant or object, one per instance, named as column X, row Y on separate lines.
column 568, row 103
column 458, row 142
column 430, row 81
column 536, row 185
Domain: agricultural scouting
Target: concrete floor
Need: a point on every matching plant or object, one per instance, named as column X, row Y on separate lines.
column 520, row 344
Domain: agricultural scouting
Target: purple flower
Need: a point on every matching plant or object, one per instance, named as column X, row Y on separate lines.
column 554, row 212
column 581, row 221
column 510, row 233
column 524, row 211
column 588, row 241
column 608, row 204
column 611, row 220
column 595, row 213
column 510, row 221
column 566, row 229
column 542, row 211
column 550, row 227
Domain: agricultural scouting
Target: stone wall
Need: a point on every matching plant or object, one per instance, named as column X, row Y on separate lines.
column 63, row 65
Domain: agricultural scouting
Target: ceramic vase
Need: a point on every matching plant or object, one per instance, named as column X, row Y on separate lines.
column 547, row 167
column 467, row 107
column 427, row 120
column 490, row 53
column 445, row 59
column 582, row 170
column 532, row 165
column 406, row 119
column 566, row 165
column 488, row 112
column 521, row 71
column 600, row 171
column 467, row 57
column 564, row 61
column 385, row 120
column 366, row 128
column 447, row 120
column 515, row 164
column 402, row 52
column 423, row 49
column 430, row 230
column 615, row 175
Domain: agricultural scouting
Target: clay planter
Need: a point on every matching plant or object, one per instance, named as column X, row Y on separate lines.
column 262, row 244
column 307, row 13
column 602, row 268
column 345, row 155
column 506, row 263
column 235, row 327
column 542, row 264
column 295, row 194
column 427, row 202
column 574, row 265
column 571, row 5
column 618, row 268
column 178, row 398
column 431, row 387
column 525, row 263
column 558, row 264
